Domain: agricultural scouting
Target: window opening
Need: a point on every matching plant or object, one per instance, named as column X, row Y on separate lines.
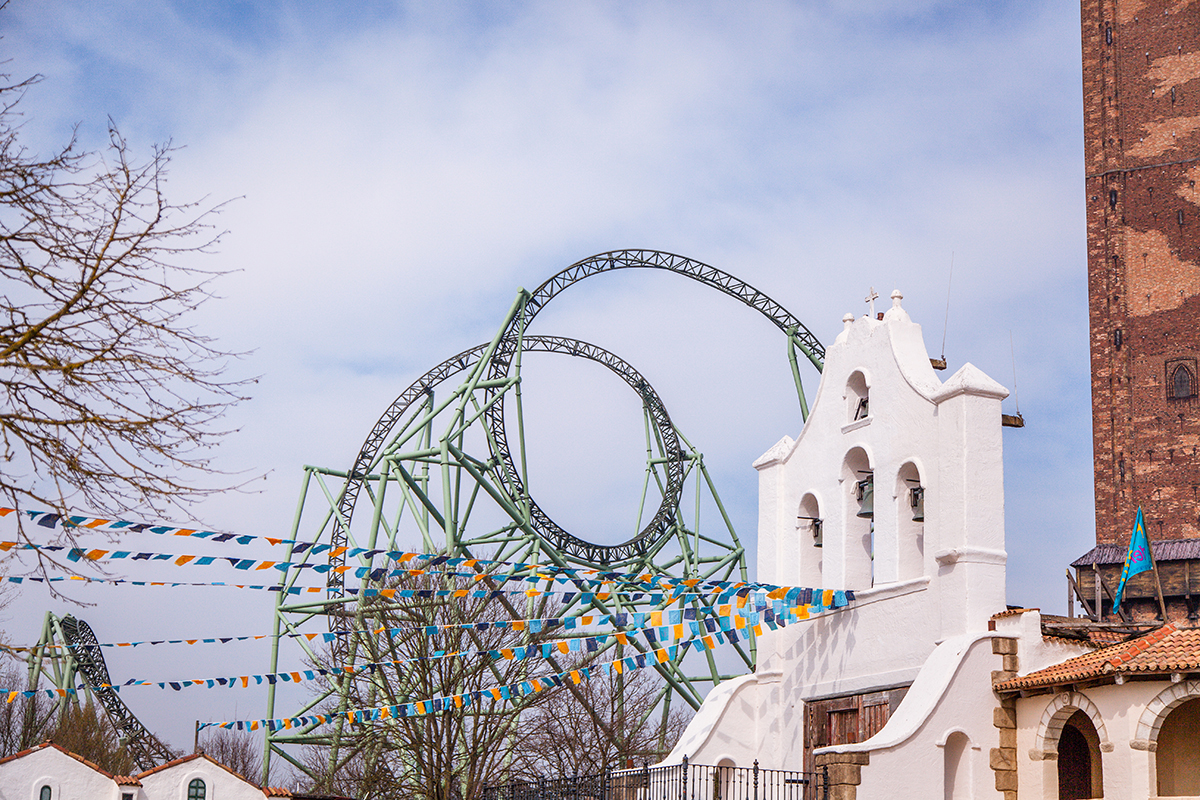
column 863, row 409
column 1182, row 380
column 45, row 794
column 196, row 790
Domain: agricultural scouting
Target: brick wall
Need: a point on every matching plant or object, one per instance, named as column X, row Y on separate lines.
column 1141, row 87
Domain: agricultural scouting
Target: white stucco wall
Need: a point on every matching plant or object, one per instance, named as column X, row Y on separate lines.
column 952, row 696
column 21, row 778
column 1125, row 717
column 927, row 584
column 221, row 784
column 68, row 778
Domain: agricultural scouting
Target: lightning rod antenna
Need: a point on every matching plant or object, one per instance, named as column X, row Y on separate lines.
column 1012, row 351
column 946, row 322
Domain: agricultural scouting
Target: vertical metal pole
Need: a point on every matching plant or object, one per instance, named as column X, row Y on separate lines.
column 796, row 374
column 684, row 781
column 279, row 599
column 756, row 779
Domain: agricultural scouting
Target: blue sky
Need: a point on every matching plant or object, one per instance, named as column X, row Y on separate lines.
column 396, row 171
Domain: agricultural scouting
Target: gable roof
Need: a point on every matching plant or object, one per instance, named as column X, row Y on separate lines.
column 193, row 757
column 121, row 780
column 1163, row 651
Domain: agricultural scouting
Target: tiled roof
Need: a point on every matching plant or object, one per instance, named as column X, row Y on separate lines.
column 169, row 764
column 192, row 756
column 277, row 791
column 1012, row 612
column 66, row 752
column 127, row 780
column 1165, row 650
column 1164, row 550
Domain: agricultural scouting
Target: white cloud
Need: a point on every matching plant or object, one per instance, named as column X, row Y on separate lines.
column 403, row 171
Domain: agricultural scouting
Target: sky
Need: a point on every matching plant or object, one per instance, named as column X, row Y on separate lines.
column 391, row 173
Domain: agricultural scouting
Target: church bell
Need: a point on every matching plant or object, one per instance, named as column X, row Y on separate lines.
column 916, row 499
column 865, row 492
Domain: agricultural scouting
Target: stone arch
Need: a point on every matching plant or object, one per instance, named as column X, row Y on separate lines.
column 1156, row 711
column 1061, row 709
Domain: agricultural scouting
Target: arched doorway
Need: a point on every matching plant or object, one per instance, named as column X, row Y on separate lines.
column 1177, row 758
column 956, row 765
column 1080, row 776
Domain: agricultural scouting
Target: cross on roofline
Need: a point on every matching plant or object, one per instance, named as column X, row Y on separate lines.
column 870, row 299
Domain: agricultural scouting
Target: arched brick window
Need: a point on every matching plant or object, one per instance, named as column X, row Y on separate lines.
column 1182, row 383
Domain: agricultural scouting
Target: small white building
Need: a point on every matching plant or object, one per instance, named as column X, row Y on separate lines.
column 1121, row 720
column 50, row 772
column 894, row 489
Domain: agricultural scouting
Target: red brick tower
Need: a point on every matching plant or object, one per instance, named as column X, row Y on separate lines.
column 1141, row 99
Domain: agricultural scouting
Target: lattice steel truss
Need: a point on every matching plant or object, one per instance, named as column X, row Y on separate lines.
column 68, row 655
column 445, row 472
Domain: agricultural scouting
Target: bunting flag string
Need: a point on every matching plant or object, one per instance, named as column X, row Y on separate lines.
column 704, row 632
column 540, row 571
column 661, row 583
column 635, row 620
column 508, row 692
column 291, row 590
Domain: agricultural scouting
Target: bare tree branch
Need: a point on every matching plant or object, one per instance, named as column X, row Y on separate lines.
column 109, row 397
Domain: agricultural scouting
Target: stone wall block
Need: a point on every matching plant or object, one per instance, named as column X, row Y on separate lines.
column 1003, row 646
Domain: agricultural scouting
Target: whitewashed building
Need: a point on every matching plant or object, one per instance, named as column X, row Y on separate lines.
column 50, row 772
column 928, row 685
column 894, row 489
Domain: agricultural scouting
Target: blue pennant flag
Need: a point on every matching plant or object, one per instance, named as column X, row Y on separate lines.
column 1137, row 560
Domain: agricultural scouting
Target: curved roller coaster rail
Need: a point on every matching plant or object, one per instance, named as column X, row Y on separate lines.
column 73, row 653
column 446, row 472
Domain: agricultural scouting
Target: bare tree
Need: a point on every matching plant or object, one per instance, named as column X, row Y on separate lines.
column 613, row 721
column 85, row 732
column 445, row 755
column 241, row 751
column 25, row 721
column 108, row 395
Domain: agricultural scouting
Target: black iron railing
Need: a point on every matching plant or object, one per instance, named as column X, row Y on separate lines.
column 684, row 781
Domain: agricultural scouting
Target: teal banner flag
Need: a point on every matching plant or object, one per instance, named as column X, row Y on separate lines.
column 1137, row 560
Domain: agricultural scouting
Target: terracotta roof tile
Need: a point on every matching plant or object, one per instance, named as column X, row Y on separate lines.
column 277, row 791
column 1165, row 650
column 1012, row 612
column 127, row 780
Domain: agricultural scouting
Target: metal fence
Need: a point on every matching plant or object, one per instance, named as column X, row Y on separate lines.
column 675, row 782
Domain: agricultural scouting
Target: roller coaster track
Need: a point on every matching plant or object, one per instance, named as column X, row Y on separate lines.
column 510, row 340
column 142, row 745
